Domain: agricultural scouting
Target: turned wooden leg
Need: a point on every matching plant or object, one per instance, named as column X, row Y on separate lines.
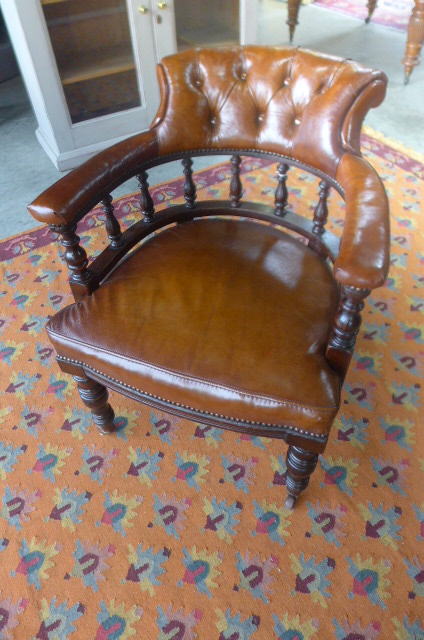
column 293, row 11
column 300, row 465
column 415, row 39
column 95, row 396
column 371, row 4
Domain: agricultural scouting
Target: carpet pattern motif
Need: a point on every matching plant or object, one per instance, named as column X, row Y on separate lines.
column 175, row 530
column 389, row 13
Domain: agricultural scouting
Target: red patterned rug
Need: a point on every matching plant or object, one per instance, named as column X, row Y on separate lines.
column 172, row 530
column 390, row 13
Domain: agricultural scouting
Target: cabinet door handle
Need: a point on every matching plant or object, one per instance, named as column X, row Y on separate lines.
column 162, row 5
column 143, row 9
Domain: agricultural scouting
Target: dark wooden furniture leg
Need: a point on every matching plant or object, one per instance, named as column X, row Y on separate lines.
column 300, row 465
column 371, row 5
column 95, row 396
column 415, row 39
column 292, row 21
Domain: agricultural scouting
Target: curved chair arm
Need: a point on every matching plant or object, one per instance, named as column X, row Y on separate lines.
column 67, row 201
column 363, row 260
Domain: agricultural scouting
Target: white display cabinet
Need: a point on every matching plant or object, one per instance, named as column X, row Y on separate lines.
column 89, row 66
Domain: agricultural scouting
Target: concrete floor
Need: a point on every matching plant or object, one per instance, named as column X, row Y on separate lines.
column 26, row 170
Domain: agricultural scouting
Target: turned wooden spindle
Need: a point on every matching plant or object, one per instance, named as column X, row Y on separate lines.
column 75, row 255
column 415, row 39
column 371, row 4
column 189, row 186
column 321, row 210
column 95, row 396
column 300, row 465
column 292, row 13
column 235, row 184
column 146, row 202
column 346, row 327
column 281, row 192
column 82, row 280
column 112, row 225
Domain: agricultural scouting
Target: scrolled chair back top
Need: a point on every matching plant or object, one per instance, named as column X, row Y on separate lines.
column 306, row 106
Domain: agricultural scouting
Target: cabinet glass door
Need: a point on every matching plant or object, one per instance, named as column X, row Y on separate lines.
column 201, row 23
column 186, row 24
column 93, row 50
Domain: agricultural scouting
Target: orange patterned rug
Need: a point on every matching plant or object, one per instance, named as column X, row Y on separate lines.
column 172, row 530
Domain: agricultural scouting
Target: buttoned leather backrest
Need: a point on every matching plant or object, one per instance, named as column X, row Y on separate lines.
column 294, row 102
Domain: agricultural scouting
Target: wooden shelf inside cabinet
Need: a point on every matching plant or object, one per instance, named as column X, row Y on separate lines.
column 95, row 64
column 210, row 37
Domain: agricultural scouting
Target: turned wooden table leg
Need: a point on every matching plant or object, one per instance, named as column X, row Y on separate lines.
column 300, row 465
column 293, row 11
column 371, row 4
column 415, row 39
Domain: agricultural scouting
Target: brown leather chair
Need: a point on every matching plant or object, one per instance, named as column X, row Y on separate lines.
column 226, row 320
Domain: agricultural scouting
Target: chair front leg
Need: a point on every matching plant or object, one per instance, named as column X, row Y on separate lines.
column 95, row 396
column 346, row 328
column 300, row 465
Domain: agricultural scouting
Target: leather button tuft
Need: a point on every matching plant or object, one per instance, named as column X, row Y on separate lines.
column 213, row 121
column 243, row 76
column 286, row 82
column 296, row 121
column 198, row 83
column 260, row 117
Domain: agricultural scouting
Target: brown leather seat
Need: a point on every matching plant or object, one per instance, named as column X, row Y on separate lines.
column 215, row 315
column 221, row 316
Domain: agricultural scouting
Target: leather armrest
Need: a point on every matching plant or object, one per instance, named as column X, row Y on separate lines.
column 364, row 256
column 75, row 194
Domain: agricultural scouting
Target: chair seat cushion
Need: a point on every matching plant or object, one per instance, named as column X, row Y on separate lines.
column 221, row 316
